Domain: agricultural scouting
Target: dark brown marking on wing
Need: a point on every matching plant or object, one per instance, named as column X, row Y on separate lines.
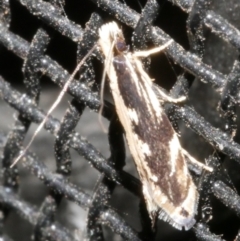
column 184, row 212
column 157, row 134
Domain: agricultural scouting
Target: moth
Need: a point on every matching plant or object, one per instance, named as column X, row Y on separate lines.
column 168, row 189
column 167, row 186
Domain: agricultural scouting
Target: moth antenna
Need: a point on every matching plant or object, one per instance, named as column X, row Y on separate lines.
column 62, row 7
column 54, row 105
column 107, row 63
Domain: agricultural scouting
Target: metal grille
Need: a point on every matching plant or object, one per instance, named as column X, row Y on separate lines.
column 208, row 121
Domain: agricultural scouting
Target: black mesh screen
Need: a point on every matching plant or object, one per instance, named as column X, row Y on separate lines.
column 80, row 183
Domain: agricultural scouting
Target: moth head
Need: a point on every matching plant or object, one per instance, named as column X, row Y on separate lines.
column 117, row 37
column 120, row 44
column 110, row 34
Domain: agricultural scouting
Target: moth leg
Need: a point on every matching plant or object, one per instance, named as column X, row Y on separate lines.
column 197, row 166
column 146, row 53
column 163, row 96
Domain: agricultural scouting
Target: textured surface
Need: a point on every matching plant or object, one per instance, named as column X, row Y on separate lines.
column 60, row 196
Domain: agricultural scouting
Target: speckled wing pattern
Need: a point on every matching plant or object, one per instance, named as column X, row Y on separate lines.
column 168, row 189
